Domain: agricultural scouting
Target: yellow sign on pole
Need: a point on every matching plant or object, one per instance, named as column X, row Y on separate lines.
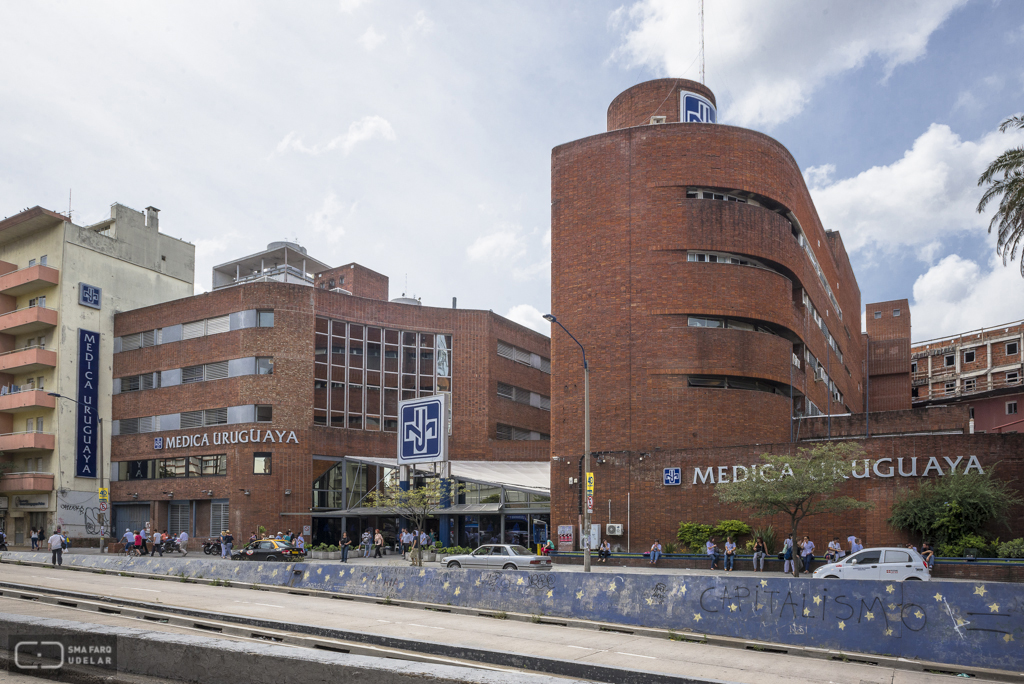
column 590, row 484
column 104, row 494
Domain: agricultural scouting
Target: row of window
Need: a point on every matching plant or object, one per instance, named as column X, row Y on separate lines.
column 510, row 432
column 195, row 329
column 806, row 244
column 705, row 322
column 895, row 312
column 160, row 468
column 42, row 261
column 37, row 302
column 259, row 413
column 730, row 382
column 724, row 258
column 524, row 357
column 524, row 396
column 971, row 384
column 949, row 360
column 824, row 328
column 721, row 196
column 219, row 370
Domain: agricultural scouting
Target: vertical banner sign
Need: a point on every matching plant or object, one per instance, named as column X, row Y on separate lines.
column 86, row 446
column 590, row 492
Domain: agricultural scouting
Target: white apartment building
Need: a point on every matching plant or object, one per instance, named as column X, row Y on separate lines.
column 60, row 286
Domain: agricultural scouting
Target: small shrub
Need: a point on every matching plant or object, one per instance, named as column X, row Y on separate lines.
column 731, row 528
column 693, row 535
column 1012, row 549
column 957, row 548
column 332, row 548
column 767, row 534
column 671, row 548
column 500, row 615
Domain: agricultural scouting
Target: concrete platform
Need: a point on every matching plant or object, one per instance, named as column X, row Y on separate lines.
column 645, row 654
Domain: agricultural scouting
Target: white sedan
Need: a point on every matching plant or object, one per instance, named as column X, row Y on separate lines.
column 889, row 563
column 499, row 557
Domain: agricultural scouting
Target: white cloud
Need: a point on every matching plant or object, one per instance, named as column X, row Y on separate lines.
column 421, row 24
column 350, row 6
column 819, row 176
column 957, row 295
column 767, row 61
column 367, row 128
column 371, row 39
column 929, row 194
column 505, row 244
column 530, row 316
column 328, row 221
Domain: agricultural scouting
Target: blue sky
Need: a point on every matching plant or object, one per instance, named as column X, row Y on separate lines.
column 415, row 137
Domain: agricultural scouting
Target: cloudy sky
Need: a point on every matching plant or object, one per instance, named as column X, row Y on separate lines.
column 415, row 138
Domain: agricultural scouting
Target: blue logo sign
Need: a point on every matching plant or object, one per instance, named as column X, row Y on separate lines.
column 158, row 442
column 88, row 397
column 697, row 109
column 90, row 295
column 423, row 433
column 673, row 476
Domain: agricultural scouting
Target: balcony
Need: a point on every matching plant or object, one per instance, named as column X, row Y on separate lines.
column 25, row 483
column 28, row 280
column 24, row 398
column 27, row 441
column 28, row 320
column 27, row 360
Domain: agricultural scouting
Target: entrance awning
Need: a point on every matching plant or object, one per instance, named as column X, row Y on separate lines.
column 370, row 511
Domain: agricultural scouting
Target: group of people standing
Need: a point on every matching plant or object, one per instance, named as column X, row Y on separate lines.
column 139, row 539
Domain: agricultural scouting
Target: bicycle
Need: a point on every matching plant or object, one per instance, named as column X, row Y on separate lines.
column 128, row 551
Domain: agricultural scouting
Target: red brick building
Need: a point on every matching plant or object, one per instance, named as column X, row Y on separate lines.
column 721, row 320
column 239, row 407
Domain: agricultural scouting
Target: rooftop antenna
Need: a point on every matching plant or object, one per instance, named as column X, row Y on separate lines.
column 702, row 42
column 69, row 204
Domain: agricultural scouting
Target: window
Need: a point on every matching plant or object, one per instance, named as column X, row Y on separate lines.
column 264, row 365
column 950, row 387
column 878, row 314
column 950, row 360
column 41, row 302
column 1011, row 408
column 658, row 119
column 913, row 367
column 41, row 382
column 216, row 371
column 218, row 416
column 893, row 556
column 1012, row 348
column 190, row 331
column 31, row 263
column 969, row 356
column 191, row 374
column 265, row 319
column 970, row 384
column 261, row 463
column 131, row 384
column 221, row 324
column 1012, row 377
column 264, row 413
column 212, row 465
column 895, row 312
column 32, row 302
column 42, row 260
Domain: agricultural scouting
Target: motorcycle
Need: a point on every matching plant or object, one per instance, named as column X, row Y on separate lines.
column 211, row 547
column 171, row 546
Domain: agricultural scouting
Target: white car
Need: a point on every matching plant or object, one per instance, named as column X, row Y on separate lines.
column 889, row 563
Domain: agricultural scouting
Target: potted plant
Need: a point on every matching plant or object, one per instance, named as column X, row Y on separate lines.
column 332, row 553
column 317, row 553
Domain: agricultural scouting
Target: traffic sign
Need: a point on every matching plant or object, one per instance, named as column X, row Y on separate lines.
column 103, row 506
column 590, row 504
column 104, row 494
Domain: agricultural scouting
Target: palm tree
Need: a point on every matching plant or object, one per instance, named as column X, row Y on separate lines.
column 1005, row 178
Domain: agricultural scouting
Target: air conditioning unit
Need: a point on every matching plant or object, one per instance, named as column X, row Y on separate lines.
column 613, row 530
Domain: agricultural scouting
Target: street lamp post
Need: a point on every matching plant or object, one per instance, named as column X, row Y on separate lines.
column 586, row 439
column 99, row 460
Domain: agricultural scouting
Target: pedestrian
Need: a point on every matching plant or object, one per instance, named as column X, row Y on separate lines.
column 226, row 542
column 145, row 542
column 129, row 541
column 730, row 554
column 928, row 554
column 655, row 551
column 138, row 543
column 856, row 545
column 760, row 553
column 157, row 544
column 787, row 554
column 183, row 542
column 288, row 536
column 300, row 543
column 414, row 548
column 711, row 549
column 603, row 553
column 807, row 553
column 378, row 544
column 35, row 539
column 365, row 541
column 56, row 544
column 345, row 543
column 424, row 541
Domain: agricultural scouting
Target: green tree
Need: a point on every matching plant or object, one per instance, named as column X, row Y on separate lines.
column 944, row 509
column 416, row 503
column 800, row 485
column 1005, row 180
column 693, row 535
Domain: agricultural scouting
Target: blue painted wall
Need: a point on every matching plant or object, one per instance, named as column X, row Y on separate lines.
column 958, row 623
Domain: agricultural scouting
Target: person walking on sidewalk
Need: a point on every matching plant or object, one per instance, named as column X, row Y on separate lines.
column 787, row 555
column 345, row 543
column 35, row 539
column 56, row 544
column 183, row 542
column 364, row 542
column 414, row 548
column 711, row 549
column 760, row 553
column 730, row 554
column 378, row 544
column 157, row 544
column 144, row 546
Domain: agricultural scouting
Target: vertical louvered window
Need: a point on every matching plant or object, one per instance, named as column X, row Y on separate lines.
column 506, row 350
column 190, row 331
column 191, row 374
column 221, row 324
column 190, row 419
column 217, row 371
column 131, row 342
column 217, row 416
column 507, row 391
column 129, row 426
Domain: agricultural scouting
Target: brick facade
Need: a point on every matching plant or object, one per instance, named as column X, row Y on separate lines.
column 298, row 310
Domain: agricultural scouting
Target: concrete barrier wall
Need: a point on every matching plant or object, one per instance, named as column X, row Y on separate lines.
column 959, row 623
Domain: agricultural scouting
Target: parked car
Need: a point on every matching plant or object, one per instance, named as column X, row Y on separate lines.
column 268, row 550
column 889, row 563
column 499, row 557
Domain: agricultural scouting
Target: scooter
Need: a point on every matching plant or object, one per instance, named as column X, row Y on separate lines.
column 171, row 546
